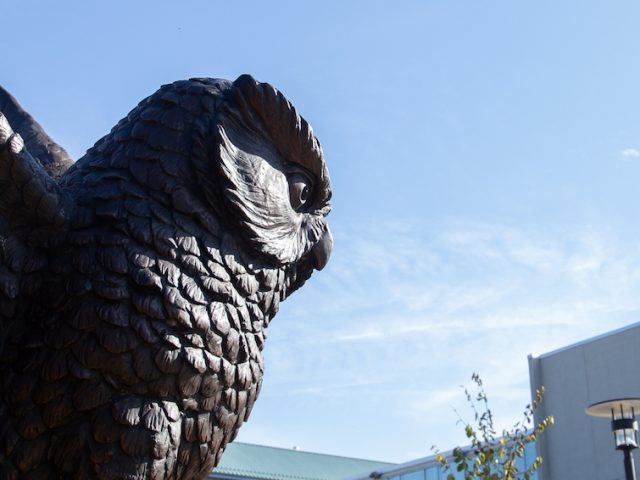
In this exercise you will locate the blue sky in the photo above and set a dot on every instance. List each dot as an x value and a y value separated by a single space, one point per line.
484 155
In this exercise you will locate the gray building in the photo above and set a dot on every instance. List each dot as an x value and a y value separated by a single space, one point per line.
601 368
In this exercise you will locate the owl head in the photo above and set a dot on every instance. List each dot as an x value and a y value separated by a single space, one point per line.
271 177
235 155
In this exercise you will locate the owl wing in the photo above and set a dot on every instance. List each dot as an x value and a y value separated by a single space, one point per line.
53 158
32 204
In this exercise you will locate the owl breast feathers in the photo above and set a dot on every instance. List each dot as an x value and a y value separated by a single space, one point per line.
136 285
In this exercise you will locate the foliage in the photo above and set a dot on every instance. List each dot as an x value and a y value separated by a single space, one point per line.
493 457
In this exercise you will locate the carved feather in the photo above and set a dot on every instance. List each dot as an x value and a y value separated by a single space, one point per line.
136 284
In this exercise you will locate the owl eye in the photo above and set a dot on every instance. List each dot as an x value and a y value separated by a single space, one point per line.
300 189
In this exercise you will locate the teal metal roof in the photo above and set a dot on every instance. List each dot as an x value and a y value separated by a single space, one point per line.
245 460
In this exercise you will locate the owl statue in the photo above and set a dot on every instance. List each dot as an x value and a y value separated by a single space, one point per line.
137 284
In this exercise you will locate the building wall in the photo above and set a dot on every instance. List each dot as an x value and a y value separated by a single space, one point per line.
602 368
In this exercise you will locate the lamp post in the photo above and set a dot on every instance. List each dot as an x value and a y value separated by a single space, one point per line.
622 413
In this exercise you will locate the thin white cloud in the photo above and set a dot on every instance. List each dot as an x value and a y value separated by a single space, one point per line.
630 153
404 314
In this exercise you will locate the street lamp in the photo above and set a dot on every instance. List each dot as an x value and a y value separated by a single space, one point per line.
622 413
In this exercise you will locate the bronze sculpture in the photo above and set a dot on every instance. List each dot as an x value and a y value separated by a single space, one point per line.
136 285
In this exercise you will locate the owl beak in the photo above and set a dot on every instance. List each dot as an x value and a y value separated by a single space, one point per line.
322 249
